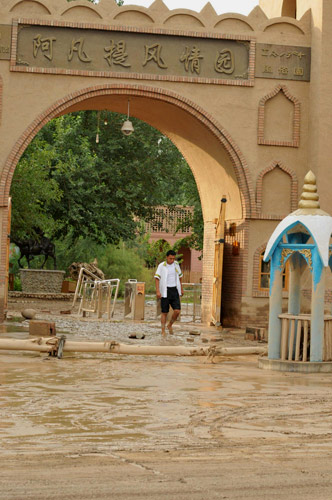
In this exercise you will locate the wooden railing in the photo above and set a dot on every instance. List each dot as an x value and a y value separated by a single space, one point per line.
295 337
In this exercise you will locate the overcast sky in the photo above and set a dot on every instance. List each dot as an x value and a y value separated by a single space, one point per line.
220 6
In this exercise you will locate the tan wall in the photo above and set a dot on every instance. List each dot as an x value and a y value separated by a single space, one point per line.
216 127
272 8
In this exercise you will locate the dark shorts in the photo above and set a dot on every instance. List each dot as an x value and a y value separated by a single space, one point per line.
173 299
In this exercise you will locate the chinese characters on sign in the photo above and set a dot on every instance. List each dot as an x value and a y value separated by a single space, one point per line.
225 62
277 61
191 59
45 45
116 54
153 55
77 47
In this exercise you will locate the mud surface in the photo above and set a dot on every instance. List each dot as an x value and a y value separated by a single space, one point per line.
109 426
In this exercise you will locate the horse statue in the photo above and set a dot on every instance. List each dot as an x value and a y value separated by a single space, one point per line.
31 247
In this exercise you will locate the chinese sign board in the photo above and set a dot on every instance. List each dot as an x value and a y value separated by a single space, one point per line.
283 62
134 53
131 53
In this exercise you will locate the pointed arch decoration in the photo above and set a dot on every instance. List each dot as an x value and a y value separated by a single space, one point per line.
295 142
259 189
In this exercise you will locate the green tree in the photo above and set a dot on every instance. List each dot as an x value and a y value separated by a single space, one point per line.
33 191
100 190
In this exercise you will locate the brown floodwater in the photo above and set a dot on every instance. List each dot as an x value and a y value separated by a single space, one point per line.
102 402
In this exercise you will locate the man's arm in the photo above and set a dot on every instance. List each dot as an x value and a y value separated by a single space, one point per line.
157 288
182 292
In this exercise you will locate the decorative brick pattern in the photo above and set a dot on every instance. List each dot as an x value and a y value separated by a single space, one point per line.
295 143
259 189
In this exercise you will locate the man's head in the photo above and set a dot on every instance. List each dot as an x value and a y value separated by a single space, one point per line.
170 256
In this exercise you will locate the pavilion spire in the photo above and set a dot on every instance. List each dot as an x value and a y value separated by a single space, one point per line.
309 197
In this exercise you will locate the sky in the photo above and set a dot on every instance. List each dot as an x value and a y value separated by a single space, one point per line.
220 6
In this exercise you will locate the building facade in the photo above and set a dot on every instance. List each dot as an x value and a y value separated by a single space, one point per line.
246 99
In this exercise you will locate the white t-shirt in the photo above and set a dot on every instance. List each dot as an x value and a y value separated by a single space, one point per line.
171 277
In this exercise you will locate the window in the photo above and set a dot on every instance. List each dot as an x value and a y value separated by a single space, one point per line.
264 275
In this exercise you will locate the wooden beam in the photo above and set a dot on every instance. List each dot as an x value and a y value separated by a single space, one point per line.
50 345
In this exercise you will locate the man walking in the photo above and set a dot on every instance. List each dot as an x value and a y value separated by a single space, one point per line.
169 288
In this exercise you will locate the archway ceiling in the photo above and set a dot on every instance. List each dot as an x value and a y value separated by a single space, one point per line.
208 159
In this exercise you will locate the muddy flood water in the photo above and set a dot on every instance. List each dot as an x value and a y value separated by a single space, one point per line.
104 426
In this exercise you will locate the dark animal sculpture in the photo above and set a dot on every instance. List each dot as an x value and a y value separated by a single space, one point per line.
29 248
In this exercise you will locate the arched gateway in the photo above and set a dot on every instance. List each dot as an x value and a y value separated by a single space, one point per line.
227 90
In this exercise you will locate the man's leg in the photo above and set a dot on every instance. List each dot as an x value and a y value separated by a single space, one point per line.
174 317
163 319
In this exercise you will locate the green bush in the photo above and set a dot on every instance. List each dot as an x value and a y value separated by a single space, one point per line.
124 263
17 284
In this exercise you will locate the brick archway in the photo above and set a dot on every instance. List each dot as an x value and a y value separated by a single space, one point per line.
66 104
77 100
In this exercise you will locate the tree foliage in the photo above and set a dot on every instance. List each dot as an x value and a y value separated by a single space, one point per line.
69 186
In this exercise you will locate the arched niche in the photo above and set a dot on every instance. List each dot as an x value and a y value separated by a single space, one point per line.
279 119
30 7
276 191
133 17
180 20
75 12
232 25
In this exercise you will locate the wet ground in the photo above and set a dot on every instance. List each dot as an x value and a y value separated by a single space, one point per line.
109 426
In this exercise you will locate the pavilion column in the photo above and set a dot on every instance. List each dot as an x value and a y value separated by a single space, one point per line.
275 311
317 318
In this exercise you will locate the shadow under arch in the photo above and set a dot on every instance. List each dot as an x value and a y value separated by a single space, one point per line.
196 134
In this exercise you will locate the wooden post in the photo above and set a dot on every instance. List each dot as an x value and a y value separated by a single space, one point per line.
5 306
218 264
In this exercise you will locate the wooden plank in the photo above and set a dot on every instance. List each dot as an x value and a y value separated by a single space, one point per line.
284 339
9 217
302 316
218 264
294 316
305 341
298 340
291 340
